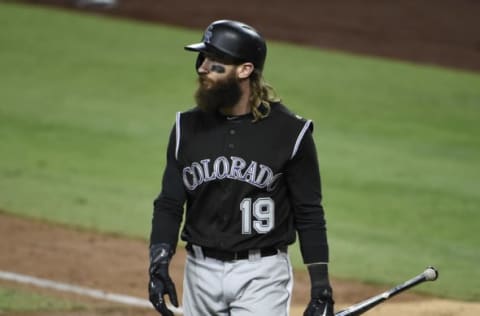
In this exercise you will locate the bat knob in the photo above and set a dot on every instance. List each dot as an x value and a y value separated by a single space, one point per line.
431 274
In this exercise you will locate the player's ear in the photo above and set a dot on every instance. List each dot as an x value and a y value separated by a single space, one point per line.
244 70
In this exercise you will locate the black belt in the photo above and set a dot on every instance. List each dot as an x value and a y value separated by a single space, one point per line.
231 256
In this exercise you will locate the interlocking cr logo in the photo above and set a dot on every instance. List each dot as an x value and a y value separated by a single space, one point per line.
208 34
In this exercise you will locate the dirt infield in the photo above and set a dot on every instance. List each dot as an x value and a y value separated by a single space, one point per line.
119 265
440 32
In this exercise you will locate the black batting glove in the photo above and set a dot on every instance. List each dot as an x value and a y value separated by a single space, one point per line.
160 283
321 302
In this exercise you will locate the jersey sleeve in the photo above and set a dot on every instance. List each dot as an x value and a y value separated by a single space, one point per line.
303 177
168 206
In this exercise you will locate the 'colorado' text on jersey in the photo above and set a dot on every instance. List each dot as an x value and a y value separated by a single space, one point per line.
233 167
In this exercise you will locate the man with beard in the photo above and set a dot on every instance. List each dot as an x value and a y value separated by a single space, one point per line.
221 93
246 169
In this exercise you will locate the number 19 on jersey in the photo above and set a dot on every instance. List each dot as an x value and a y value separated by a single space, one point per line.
258 215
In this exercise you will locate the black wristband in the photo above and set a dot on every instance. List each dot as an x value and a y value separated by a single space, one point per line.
161 253
319 280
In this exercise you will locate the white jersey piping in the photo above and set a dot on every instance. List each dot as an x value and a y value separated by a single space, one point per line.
177 134
300 137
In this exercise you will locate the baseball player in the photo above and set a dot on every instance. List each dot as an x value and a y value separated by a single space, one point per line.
246 169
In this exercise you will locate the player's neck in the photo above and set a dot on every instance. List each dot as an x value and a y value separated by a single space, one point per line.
243 106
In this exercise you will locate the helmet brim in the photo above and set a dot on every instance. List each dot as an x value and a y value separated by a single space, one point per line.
204 48
197 47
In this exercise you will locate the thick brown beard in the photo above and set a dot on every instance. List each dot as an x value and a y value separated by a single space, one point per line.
221 95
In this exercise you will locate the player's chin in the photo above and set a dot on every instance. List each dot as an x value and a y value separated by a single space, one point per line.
205 83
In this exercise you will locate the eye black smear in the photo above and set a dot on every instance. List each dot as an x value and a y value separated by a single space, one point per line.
217 68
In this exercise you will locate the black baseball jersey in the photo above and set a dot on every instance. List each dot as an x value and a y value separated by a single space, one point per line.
246 185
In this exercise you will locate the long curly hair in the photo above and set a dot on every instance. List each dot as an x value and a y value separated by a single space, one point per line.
262 95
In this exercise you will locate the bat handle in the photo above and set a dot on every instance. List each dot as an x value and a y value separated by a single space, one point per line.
430 274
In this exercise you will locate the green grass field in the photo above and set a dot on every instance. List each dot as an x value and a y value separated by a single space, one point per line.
14 301
87 104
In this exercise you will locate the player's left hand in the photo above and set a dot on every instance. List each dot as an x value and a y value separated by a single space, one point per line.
160 283
321 303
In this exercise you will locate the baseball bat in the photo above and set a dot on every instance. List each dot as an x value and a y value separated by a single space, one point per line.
430 274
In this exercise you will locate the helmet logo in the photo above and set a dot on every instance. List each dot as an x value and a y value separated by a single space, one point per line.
208 34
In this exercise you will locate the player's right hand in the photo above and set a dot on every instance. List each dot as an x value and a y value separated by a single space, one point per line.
160 283
157 290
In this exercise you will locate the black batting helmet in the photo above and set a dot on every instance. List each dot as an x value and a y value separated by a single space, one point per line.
231 40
